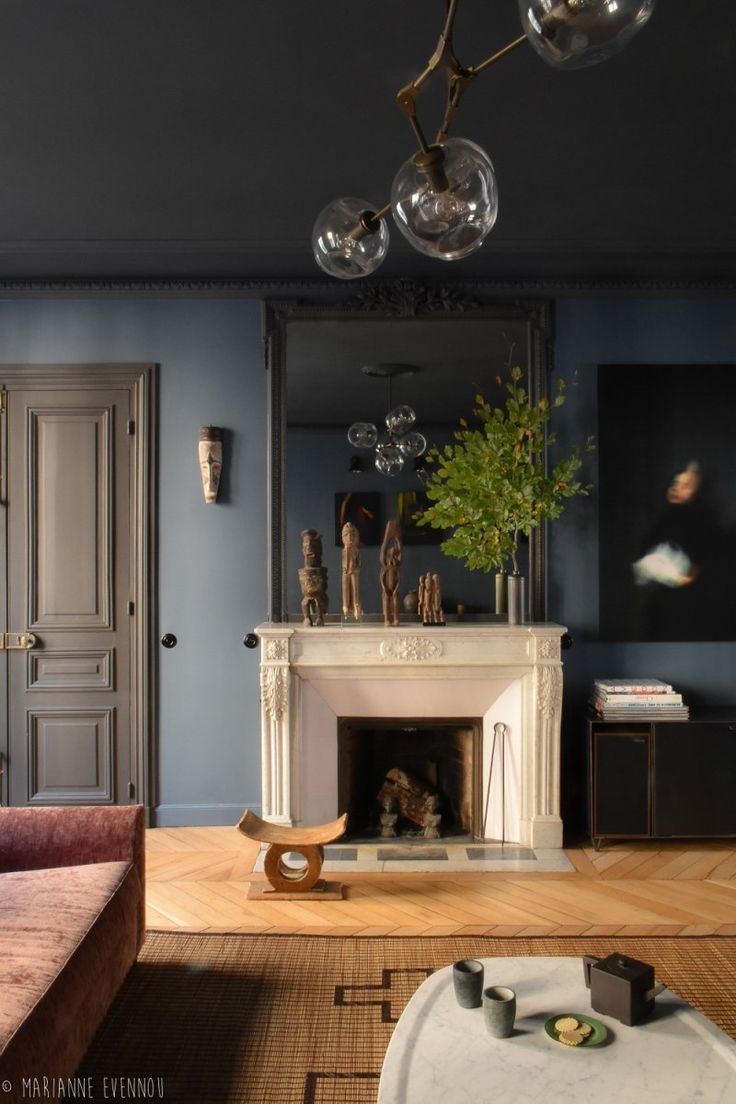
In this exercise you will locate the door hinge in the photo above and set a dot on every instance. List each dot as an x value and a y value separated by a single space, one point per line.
2 400
131 790
131 428
131 608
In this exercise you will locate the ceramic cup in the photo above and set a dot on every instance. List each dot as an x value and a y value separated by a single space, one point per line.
499 1010
467 977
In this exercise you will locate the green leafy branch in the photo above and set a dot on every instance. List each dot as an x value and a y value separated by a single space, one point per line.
491 485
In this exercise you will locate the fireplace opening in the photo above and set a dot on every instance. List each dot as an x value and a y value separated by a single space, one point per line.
410 779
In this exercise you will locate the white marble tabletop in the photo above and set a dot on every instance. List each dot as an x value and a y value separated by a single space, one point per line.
440 1052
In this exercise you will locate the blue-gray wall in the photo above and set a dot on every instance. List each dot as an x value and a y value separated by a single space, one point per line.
624 331
212 562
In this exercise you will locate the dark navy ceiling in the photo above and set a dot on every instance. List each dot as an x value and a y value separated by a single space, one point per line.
199 138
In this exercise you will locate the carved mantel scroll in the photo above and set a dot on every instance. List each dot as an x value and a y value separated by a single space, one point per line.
311 677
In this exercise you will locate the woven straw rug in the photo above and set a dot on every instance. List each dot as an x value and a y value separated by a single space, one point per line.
230 1019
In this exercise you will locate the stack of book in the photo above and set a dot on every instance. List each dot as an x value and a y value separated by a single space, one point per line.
637 700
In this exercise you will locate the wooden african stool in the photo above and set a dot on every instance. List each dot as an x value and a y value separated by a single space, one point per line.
288 882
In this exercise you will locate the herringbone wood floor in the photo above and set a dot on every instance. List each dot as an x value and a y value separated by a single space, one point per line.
197 880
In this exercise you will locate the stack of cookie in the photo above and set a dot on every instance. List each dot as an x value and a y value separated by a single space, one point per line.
571 1032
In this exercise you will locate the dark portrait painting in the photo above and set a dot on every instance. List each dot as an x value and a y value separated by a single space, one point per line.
667 487
408 505
363 509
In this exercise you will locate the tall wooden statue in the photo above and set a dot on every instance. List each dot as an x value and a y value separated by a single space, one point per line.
350 572
391 553
313 579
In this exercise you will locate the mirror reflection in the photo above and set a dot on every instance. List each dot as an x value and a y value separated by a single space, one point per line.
336 372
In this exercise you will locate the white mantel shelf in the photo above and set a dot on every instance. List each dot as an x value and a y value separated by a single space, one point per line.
503 674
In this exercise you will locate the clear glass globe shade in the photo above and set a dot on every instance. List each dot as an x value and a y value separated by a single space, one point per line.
389 460
362 434
341 247
452 223
412 445
572 34
400 419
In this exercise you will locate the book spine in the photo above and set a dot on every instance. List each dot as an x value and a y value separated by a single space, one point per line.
633 707
638 698
633 687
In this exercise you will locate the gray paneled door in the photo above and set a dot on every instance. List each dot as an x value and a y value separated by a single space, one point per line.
72 657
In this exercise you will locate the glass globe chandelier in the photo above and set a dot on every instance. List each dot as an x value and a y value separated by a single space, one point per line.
400 442
444 199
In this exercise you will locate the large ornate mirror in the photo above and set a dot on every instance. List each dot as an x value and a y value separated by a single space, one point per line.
452 343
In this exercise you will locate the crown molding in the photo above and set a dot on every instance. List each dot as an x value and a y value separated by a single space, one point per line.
375 290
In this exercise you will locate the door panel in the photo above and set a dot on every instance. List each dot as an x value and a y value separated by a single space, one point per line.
70 477
70 757
70 507
70 670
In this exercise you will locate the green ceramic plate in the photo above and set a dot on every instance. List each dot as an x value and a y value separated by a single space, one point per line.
597 1036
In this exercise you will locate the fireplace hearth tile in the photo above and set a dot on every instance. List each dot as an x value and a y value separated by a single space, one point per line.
504 853
341 854
412 858
412 853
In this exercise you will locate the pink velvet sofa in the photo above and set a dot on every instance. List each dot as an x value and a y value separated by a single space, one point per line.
71 924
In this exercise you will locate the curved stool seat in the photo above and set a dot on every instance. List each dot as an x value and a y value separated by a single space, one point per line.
281 839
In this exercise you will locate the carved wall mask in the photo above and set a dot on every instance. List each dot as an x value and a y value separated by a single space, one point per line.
210 460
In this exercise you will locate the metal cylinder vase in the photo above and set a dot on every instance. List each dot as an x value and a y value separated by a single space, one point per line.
501 577
517 598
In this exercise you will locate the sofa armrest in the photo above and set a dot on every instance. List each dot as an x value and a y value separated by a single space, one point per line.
35 838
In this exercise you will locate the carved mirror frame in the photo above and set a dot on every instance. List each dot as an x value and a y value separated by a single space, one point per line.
385 301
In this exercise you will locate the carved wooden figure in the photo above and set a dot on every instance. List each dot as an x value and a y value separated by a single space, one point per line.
313 579
391 554
422 598
437 616
350 572
430 607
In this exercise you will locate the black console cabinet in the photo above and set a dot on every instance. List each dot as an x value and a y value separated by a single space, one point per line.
648 780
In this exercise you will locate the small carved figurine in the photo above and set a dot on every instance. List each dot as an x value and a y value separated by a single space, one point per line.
388 817
350 572
430 600
422 598
313 579
438 617
432 817
391 554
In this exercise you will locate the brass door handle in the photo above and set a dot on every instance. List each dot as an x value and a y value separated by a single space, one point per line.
14 641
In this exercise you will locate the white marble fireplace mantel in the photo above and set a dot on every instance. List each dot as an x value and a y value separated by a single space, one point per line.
502 674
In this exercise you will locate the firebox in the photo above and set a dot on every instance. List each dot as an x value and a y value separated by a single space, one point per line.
413 779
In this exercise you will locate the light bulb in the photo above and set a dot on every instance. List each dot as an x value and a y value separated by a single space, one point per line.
347 240
362 435
571 34
389 460
413 444
400 419
445 202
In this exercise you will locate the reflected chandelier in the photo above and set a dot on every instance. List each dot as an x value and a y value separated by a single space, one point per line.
444 199
401 441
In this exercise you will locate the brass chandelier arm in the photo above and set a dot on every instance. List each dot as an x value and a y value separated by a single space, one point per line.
456 85
444 54
458 78
475 69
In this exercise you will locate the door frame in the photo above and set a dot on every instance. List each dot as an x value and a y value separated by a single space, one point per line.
142 382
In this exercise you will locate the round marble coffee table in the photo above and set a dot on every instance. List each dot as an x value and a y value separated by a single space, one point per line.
441 1053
